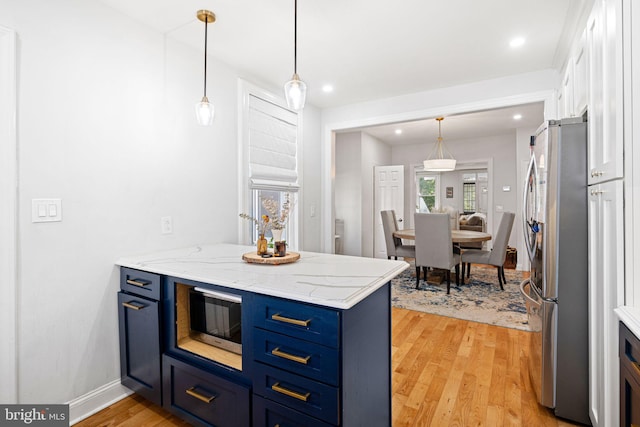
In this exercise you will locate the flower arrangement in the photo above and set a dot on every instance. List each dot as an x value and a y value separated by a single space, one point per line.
263 225
276 219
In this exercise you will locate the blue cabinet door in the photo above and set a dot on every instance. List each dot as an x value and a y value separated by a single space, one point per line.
139 320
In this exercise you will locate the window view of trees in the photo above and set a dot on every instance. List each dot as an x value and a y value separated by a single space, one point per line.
426 193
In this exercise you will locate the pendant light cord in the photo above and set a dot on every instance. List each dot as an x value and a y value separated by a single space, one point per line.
205 54
295 37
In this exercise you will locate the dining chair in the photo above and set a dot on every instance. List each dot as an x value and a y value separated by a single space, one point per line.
495 256
433 246
395 248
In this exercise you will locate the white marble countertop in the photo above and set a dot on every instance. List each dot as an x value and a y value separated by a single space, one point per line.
630 316
337 281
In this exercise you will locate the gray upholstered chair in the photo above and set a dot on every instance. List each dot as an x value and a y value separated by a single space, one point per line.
395 248
495 256
434 247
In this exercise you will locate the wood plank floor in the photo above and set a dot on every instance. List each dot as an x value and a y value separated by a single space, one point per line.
446 372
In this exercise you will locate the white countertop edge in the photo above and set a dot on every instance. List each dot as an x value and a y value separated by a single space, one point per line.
140 263
630 316
340 304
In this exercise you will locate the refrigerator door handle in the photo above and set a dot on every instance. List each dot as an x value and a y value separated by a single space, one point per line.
525 293
530 184
535 291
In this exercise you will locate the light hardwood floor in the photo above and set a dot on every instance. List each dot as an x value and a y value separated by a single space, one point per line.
446 372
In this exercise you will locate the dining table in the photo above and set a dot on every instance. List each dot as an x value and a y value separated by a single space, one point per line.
457 237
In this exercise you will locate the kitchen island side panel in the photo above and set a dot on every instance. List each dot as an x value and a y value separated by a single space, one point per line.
366 357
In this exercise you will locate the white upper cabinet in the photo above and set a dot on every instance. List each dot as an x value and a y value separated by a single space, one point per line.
572 96
580 76
605 77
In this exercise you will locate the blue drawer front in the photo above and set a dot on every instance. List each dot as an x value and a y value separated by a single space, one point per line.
311 323
230 405
294 355
140 283
269 414
310 397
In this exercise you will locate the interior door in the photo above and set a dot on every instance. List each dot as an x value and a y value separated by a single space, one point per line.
388 195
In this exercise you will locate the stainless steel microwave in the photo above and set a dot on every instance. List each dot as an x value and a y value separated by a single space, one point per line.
216 318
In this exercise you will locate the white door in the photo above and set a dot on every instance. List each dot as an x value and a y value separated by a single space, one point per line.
388 195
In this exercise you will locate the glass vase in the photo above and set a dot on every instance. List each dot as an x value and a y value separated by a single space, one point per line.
261 245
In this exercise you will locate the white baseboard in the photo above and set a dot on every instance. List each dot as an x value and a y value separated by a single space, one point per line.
96 400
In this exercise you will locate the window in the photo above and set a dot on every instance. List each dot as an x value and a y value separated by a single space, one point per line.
427 186
474 192
269 153
469 197
258 194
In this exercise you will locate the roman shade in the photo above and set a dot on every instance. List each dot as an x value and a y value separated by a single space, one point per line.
272 146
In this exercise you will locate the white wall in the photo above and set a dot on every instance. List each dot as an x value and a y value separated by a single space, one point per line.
311 182
106 123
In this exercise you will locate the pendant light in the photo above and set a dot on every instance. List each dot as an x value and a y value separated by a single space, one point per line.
295 90
204 109
440 159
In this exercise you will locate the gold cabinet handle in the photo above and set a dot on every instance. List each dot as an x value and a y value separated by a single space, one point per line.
192 392
133 307
137 283
277 352
297 322
278 388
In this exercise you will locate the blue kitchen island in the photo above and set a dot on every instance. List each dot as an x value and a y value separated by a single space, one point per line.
315 337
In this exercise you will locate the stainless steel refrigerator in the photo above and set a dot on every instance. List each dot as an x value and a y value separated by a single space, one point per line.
556 293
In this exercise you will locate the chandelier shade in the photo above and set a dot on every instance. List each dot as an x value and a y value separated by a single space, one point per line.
440 159
205 110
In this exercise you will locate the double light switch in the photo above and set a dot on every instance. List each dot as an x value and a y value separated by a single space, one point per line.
46 210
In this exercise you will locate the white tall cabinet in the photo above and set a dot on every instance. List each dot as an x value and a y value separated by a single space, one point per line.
606 290
604 40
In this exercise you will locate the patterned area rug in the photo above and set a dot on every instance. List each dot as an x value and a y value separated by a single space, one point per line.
479 299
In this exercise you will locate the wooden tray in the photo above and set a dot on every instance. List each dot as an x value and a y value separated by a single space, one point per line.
254 258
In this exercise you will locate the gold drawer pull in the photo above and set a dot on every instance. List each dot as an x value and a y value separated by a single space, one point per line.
133 307
137 283
278 388
202 397
277 352
297 322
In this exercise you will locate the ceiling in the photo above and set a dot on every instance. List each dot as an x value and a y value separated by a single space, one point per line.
479 124
370 49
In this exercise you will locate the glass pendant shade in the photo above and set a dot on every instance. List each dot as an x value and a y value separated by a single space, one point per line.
204 109
440 160
205 112
295 91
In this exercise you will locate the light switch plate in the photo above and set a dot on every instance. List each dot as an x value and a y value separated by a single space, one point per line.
46 210
166 225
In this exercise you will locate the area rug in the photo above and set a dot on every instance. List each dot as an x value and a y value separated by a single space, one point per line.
479 299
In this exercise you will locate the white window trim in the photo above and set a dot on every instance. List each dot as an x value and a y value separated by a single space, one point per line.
246 89
415 170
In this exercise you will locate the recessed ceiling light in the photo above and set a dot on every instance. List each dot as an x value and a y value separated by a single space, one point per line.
327 88
517 42
517 117
398 131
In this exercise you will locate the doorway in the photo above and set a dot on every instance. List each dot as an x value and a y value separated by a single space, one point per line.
504 198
